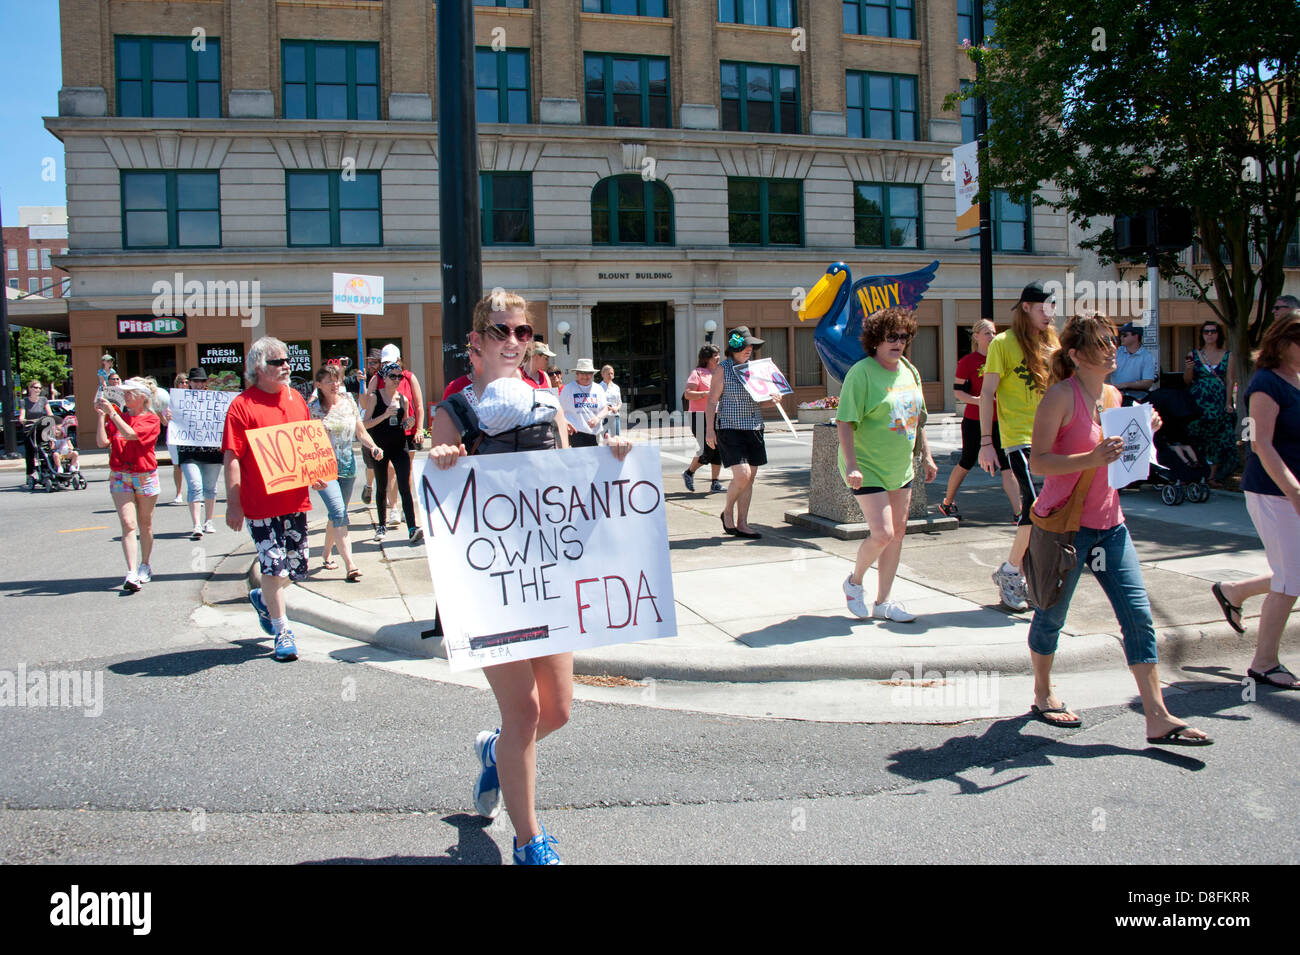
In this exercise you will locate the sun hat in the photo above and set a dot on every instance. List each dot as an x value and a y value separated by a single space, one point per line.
540 348
584 366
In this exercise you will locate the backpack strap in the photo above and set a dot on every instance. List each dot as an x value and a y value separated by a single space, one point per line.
465 419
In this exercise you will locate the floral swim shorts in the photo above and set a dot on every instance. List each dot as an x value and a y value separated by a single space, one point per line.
133 482
281 545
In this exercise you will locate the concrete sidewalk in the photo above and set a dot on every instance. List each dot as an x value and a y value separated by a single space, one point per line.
772 609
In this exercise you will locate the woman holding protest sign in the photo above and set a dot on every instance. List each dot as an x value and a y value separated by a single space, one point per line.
880 422
1069 451
533 695
130 437
388 417
734 426
201 467
335 409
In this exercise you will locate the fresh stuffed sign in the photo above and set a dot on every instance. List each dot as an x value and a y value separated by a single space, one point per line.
538 553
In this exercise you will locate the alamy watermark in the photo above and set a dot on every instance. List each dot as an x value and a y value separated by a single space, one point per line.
70 689
951 689
176 296
1119 299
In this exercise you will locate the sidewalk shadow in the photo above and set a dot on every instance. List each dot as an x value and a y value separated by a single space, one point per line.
475 847
189 662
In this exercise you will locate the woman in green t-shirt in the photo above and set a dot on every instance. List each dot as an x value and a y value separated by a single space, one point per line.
880 423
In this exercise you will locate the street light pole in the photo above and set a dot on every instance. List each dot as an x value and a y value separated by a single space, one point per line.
461 240
6 375
981 135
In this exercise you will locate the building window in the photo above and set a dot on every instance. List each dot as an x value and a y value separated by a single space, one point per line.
886 216
326 209
31 260
760 97
1291 258
11 257
627 90
893 18
629 8
66 288
762 13
1012 224
330 80
13 283
516 4
967 116
171 210
881 105
501 79
764 211
506 200
629 210
33 286
966 21
45 260
166 76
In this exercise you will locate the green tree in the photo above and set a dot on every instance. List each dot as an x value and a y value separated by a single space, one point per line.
38 359
1127 106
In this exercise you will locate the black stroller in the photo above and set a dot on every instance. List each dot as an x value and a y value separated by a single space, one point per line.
42 436
1177 471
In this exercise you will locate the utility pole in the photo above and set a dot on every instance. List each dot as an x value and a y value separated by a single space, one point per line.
981 135
461 251
6 372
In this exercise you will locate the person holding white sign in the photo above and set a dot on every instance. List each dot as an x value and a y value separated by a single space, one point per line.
880 424
733 424
1067 444
534 695
201 467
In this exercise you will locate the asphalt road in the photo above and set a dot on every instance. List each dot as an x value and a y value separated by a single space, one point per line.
207 751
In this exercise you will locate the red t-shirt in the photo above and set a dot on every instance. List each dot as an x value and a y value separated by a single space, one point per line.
137 456
253 409
456 386
970 369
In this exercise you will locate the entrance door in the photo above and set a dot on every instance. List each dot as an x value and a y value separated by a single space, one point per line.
157 362
637 339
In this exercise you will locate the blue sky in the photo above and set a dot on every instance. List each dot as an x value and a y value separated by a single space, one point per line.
30 77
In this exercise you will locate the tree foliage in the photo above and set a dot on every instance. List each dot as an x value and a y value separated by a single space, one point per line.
37 358
1129 105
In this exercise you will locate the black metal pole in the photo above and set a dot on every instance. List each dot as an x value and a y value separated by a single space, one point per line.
461 240
986 218
6 372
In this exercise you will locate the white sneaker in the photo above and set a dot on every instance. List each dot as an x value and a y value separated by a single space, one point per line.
858 605
1011 588
395 520
144 574
893 610
131 584
179 500
209 527
197 533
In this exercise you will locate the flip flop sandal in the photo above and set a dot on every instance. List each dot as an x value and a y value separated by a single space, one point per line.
329 565
354 576
1228 609
1175 737
1264 678
1063 708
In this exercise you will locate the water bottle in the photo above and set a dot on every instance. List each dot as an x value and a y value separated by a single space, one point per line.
393 416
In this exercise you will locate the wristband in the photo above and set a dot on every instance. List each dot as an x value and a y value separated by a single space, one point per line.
986 442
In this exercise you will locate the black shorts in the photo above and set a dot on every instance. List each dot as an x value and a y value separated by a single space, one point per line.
970 445
880 490
281 545
707 454
1019 461
411 443
580 439
741 447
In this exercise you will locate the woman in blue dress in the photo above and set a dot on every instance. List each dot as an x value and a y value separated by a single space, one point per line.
1212 382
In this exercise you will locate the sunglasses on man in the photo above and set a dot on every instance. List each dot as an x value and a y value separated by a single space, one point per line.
277 362
501 332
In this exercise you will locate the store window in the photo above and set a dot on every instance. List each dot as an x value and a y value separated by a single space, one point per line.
224 363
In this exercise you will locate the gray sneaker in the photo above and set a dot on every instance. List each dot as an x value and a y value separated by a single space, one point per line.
1011 589
716 488
689 480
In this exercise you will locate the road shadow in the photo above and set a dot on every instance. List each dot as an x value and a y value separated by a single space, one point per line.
474 847
190 662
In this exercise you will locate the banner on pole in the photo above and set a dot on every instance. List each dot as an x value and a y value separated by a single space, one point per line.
292 455
198 417
539 553
358 294
966 166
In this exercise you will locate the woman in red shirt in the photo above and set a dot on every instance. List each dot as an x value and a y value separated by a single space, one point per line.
130 437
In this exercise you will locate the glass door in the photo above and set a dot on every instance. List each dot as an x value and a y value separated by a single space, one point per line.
636 339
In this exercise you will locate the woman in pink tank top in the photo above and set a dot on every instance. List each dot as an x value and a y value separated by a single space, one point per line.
1067 444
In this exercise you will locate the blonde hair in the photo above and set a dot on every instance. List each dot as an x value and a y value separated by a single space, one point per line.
1037 347
151 386
497 302
1086 332
984 325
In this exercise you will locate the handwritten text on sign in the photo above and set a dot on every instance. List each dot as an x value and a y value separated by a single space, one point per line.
548 552
293 455
198 417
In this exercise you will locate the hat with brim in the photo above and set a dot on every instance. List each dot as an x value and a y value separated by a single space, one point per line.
584 367
131 385
540 348
197 374
740 337
1033 293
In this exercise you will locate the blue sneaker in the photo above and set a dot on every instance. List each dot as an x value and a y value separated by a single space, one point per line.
539 850
285 648
487 790
263 615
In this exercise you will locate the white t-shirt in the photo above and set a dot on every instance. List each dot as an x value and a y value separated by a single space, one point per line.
582 405
613 397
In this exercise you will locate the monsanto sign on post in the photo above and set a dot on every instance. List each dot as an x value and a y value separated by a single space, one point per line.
358 294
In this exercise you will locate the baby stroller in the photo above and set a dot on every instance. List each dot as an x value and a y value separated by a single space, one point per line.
62 478
1178 471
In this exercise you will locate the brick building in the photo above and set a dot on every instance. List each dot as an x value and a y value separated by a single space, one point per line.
648 167
31 248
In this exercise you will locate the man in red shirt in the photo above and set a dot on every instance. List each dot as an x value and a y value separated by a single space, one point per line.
277 521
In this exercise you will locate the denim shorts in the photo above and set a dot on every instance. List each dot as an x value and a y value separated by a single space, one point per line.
336 495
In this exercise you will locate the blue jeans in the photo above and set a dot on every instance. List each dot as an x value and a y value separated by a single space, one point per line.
337 494
200 480
1114 562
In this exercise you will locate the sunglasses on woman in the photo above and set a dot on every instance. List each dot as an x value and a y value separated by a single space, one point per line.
396 377
893 337
501 332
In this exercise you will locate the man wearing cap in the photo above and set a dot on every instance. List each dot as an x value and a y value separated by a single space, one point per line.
539 359
1135 369
201 467
584 405
1016 372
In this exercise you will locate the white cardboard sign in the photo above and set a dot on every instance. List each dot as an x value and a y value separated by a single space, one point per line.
536 553
358 294
198 417
763 380
1133 424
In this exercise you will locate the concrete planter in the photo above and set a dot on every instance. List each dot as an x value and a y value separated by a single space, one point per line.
816 415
